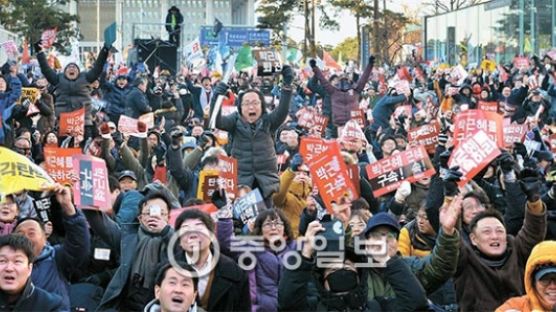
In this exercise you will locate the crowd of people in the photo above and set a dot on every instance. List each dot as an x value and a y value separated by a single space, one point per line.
433 244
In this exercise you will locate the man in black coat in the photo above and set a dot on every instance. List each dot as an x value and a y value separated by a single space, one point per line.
136 102
174 19
17 292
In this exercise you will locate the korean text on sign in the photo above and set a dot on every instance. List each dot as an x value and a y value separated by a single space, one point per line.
228 173
313 148
91 189
72 123
471 121
59 163
426 135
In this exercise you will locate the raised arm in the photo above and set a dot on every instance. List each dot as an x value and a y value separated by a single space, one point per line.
278 116
226 123
48 72
366 74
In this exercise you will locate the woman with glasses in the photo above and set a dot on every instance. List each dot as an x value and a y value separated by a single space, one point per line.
540 282
9 211
263 257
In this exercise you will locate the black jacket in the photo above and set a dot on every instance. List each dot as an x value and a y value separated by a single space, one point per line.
33 299
136 103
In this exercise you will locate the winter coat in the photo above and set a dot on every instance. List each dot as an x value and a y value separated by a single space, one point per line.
542 254
154 306
55 264
115 98
296 294
317 88
343 102
551 216
264 278
122 240
136 103
384 108
33 299
413 243
291 198
72 95
47 120
480 287
179 20
253 144
196 92
7 99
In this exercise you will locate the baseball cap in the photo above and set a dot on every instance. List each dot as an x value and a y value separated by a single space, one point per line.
127 173
544 271
382 219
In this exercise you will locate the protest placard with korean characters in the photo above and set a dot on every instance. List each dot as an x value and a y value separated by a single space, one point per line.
30 94
514 132
59 163
330 175
72 123
359 116
148 119
310 119
312 148
268 62
387 174
471 121
521 62
208 184
91 189
490 106
228 173
248 206
426 135
48 37
473 154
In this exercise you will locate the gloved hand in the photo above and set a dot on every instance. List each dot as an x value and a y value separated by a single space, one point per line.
530 183
506 162
520 149
37 46
203 142
110 35
451 177
218 198
443 159
313 63
403 192
118 139
221 88
372 60
296 161
105 131
288 75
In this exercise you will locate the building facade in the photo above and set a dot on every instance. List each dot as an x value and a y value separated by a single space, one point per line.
499 29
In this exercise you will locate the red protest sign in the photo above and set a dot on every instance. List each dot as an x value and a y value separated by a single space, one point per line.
473 154
228 173
329 172
174 213
127 125
521 62
312 120
91 189
72 123
59 163
353 172
491 106
426 135
514 133
359 116
313 148
48 37
469 122
387 174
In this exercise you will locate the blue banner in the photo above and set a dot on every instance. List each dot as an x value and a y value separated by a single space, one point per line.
86 182
234 36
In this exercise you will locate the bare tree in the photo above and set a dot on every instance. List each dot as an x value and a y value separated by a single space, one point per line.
443 6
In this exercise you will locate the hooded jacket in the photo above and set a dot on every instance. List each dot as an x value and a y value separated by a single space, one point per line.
253 144
291 198
542 254
72 95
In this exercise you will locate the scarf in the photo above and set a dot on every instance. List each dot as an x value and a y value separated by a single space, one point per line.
493 262
147 257
7 228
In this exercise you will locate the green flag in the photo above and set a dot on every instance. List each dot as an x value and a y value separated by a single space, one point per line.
244 58
293 56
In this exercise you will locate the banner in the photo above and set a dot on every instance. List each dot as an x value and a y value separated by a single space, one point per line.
248 206
491 106
128 125
514 133
91 189
426 135
59 163
309 119
72 123
11 49
387 174
47 38
208 184
30 94
312 148
268 62
228 173
148 119
42 208
330 175
359 116
234 37
473 154
467 123
18 173
521 62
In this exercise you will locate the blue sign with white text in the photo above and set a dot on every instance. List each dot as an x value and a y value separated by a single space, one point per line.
235 36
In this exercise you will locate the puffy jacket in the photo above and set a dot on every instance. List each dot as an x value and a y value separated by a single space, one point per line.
136 103
33 299
72 95
413 243
253 144
115 98
7 99
55 264
542 254
384 108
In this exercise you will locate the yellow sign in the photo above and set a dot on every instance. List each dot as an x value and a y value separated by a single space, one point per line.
29 93
208 183
18 173
488 65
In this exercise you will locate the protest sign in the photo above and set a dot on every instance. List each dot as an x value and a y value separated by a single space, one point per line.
387 174
42 208
248 206
228 173
59 163
48 37
488 65
402 110
513 133
31 94
208 184
467 123
91 189
148 119
312 148
353 172
473 154
72 123
11 49
351 131
359 116
310 119
174 213
521 62
330 175
268 62
426 135
127 125
18 173
490 106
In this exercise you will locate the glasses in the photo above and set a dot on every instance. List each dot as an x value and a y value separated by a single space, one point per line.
25 150
547 280
270 225
250 103
146 214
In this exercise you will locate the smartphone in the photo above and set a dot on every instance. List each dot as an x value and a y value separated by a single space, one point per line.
333 234
154 211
